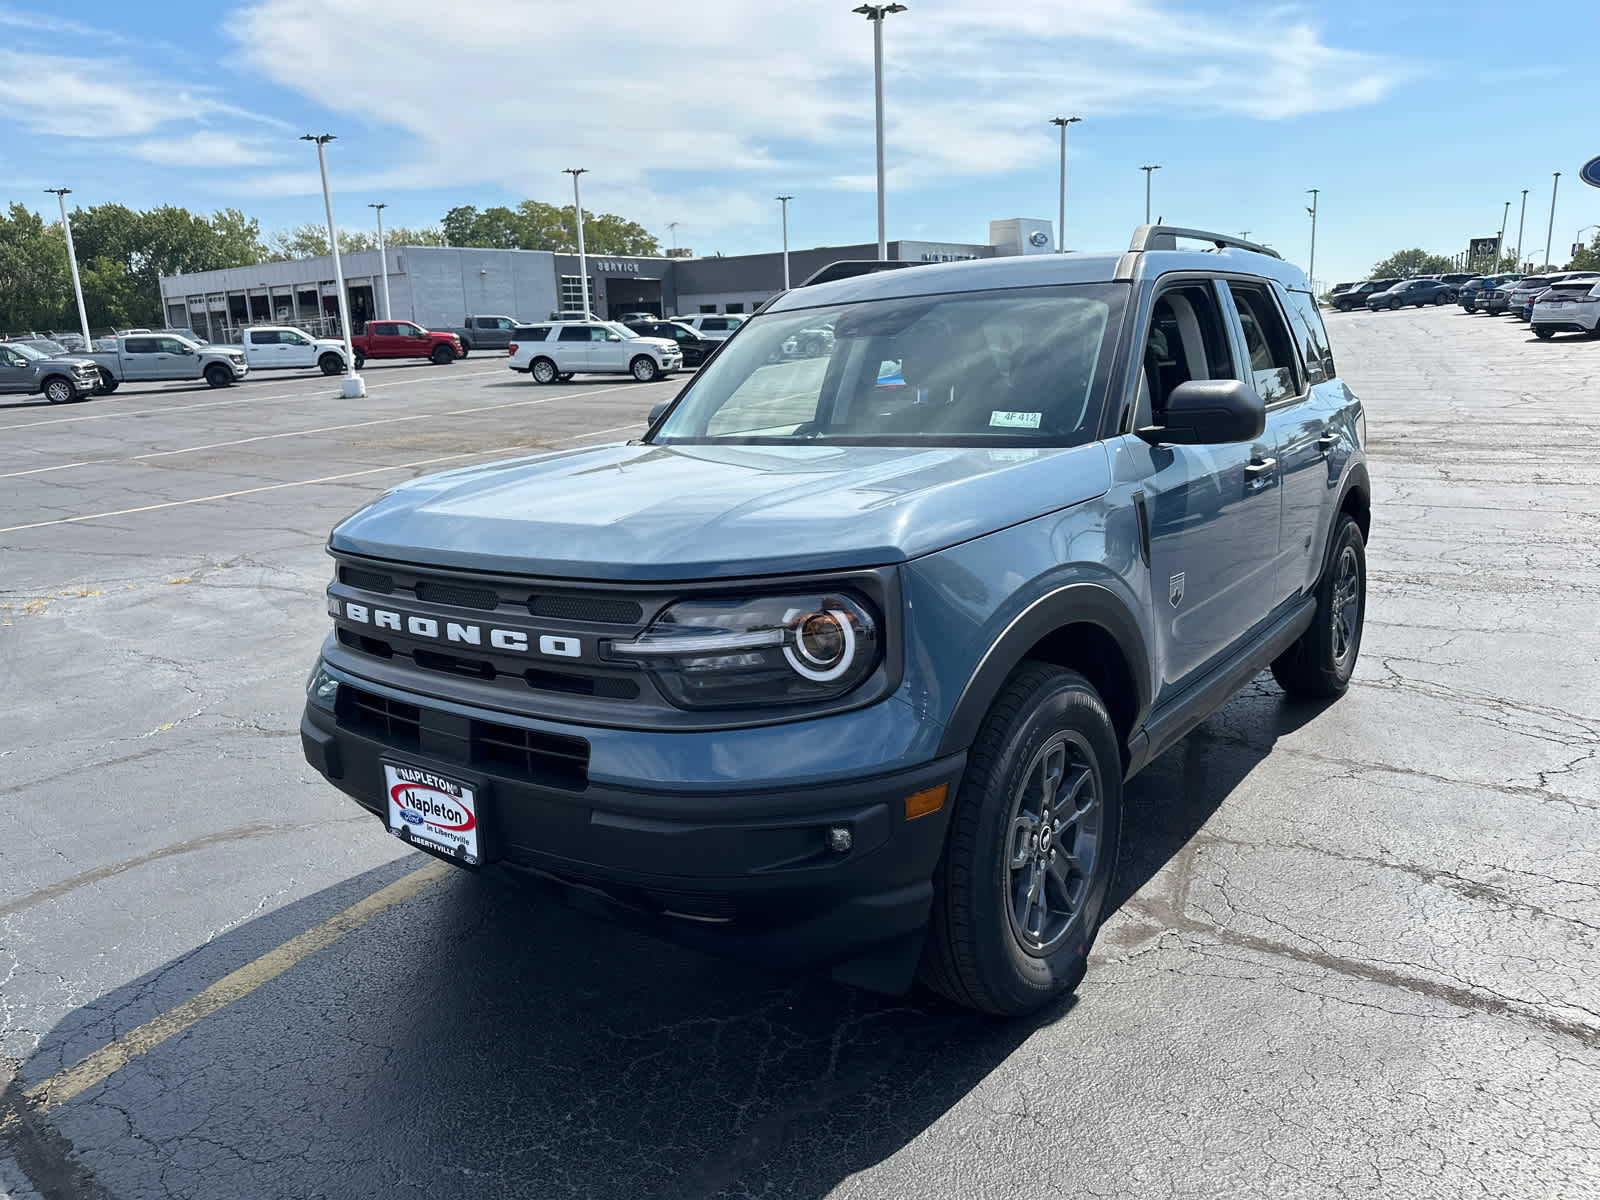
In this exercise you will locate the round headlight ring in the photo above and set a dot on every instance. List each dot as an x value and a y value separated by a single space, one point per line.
809 665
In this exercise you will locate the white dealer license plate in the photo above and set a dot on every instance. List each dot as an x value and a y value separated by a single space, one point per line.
433 812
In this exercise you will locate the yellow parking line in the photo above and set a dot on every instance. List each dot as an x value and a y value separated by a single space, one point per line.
110 1059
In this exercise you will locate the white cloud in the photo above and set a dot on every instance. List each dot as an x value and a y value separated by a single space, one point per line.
206 148
524 89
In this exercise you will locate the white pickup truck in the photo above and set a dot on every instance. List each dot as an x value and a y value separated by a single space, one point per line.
283 347
154 357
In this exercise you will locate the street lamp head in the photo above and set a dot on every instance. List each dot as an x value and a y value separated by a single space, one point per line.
574 171
1151 167
322 139
784 198
59 191
379 207
1065 121
876 12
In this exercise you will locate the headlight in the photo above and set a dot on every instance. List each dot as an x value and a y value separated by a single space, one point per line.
322 689
741 651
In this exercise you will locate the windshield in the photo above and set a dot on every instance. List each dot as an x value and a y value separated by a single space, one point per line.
627 334
1017 367
27 351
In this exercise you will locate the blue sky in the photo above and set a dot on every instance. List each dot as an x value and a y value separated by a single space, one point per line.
700 114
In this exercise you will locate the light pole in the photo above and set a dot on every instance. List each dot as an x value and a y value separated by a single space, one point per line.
1147 173
672 232
1311 270
783 202
577 212
1550 233
353 385
875 14
61 194
1517 266
1500 238
383 261
1061 227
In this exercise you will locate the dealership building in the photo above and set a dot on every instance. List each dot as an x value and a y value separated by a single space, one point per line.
439 285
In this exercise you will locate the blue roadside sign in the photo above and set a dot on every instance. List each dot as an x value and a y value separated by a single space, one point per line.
1590 172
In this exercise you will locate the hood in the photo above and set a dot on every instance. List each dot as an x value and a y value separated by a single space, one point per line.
329 344
640 513
72 360
659 343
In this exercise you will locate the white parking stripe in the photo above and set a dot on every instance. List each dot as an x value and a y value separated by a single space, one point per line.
273 487
247 399
267 437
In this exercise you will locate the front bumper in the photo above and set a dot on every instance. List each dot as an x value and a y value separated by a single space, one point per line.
746 873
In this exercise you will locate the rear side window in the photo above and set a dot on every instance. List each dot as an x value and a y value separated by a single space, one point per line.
1312 336
381 329
531 333
1274 367
574 333
266 337
141 346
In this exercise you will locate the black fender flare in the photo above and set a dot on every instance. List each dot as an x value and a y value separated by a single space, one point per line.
1356 479
1082 602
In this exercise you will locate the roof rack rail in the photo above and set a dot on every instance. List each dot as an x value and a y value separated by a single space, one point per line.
1165 237
850 268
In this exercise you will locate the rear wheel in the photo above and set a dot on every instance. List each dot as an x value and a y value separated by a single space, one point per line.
567 376
218 375
542 370
1022 886
331 364
442 355
1319 665
1544 331
644 369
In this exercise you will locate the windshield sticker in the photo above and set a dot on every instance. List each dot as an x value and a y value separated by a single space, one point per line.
1014 420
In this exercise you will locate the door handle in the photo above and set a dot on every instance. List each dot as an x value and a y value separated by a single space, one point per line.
1327 442
1259 469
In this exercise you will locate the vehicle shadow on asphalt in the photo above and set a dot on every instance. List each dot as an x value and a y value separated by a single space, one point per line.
479 1039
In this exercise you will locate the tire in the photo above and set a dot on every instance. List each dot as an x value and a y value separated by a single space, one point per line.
566 377
331 364
1319 665
542 370
466 347
644 369
108 383
1471 308
361 360
813 347
442 355
1544 332
59 391
218 376
1048 724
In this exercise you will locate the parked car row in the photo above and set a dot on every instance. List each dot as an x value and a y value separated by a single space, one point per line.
1552 303
1377 294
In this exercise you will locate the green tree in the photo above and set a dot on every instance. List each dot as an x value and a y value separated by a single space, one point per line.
35 289
1587 258
311 240
534 225
1404 263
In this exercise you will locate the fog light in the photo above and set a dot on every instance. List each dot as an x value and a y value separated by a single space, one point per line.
322 690
839 839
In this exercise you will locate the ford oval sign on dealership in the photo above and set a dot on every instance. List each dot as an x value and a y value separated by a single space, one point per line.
1590 172
1039 237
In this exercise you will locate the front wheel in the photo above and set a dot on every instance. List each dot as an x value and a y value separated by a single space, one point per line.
59 391
218 375
1544 332
1027 867
108 383
361 360
1319 665
442 355
331 364
644 369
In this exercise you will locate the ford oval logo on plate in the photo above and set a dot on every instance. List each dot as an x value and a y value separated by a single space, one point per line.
1590 172
411 816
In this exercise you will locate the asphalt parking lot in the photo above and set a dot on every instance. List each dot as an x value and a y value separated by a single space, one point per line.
1356 950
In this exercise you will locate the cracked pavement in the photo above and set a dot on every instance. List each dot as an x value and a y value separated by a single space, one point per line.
1356 948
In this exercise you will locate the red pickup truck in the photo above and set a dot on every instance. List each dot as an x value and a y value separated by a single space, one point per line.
402 339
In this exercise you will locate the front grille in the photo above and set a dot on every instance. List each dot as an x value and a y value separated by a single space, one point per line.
549 758
607 610
367 581
394 721
456 595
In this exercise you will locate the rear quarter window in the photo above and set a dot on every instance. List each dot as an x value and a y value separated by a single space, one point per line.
531 333
1312 335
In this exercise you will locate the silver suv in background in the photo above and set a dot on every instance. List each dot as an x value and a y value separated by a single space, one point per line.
1572 306
557 350
712 326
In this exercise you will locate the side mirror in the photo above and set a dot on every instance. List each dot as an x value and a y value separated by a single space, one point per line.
655 413
613 337
1209 412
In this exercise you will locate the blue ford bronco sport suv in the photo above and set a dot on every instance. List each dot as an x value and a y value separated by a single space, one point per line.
844 662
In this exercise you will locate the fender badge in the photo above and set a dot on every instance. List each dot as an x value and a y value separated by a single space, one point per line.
1175 589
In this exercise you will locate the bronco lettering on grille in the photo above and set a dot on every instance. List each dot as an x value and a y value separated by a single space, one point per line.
511 640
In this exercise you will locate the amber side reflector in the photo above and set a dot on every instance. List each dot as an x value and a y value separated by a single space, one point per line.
920 804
